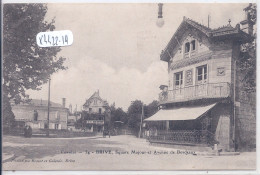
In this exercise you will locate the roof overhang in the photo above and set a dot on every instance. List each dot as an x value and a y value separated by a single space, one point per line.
220 33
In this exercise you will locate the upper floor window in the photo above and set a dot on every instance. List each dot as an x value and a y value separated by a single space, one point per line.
193 46
178 79
187 47
90 109
202 73
99 110
190 46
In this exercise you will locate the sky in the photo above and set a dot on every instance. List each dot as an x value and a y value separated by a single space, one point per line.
117 47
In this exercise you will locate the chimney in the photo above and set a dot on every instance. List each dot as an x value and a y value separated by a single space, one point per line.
63 102
247 24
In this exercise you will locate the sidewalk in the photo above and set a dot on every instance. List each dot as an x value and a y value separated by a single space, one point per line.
144 144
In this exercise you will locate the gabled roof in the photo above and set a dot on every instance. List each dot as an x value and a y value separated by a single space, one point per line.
210 33
95 96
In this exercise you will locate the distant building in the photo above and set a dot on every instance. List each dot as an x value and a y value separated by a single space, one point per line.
35 114
95 104
204 102
72 119
93 114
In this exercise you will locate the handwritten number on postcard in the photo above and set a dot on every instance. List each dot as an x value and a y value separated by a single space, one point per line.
55 38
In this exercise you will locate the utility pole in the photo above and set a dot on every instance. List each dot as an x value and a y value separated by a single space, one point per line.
208 20
48 116
141 123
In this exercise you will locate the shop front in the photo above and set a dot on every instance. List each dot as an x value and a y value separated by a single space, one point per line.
191 125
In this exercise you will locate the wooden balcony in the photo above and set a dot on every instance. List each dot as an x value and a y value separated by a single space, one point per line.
207 90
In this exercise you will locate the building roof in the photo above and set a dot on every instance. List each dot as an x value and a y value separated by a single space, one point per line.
95 96
187 23
38 102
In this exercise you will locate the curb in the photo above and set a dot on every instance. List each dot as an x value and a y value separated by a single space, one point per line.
217 154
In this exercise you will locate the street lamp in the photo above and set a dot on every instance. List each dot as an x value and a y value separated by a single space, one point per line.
160 21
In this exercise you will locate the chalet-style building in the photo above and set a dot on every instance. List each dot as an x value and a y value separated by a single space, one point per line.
93 114
205 103
35 112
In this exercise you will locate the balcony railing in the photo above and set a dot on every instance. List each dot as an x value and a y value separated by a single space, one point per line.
202 137
207 90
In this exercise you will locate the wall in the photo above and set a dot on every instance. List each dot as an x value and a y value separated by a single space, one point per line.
221 116
245 116
216 55
95 106
213 77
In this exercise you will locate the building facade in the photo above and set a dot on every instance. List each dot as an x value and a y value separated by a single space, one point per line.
35 114
93 114
204 102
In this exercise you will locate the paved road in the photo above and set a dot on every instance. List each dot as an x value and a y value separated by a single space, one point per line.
115 153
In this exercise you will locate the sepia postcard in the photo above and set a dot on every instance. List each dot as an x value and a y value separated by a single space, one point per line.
129 86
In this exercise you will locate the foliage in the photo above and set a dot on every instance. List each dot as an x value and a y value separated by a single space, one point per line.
252 11
25 65
247 61
8 117
119 115
79 123
134 114
135 111
107 119
151 109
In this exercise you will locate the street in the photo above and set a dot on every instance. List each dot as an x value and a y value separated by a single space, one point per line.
122 152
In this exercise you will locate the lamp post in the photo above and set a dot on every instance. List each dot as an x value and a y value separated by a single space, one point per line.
48 115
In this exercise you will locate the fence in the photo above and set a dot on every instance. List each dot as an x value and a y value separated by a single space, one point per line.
203 137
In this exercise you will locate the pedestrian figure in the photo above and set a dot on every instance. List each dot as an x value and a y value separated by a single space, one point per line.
106 132
27 131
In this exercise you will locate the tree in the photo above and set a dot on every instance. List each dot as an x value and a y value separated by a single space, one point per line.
8 115
134 114
119 115
151 108
25 65
247 61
